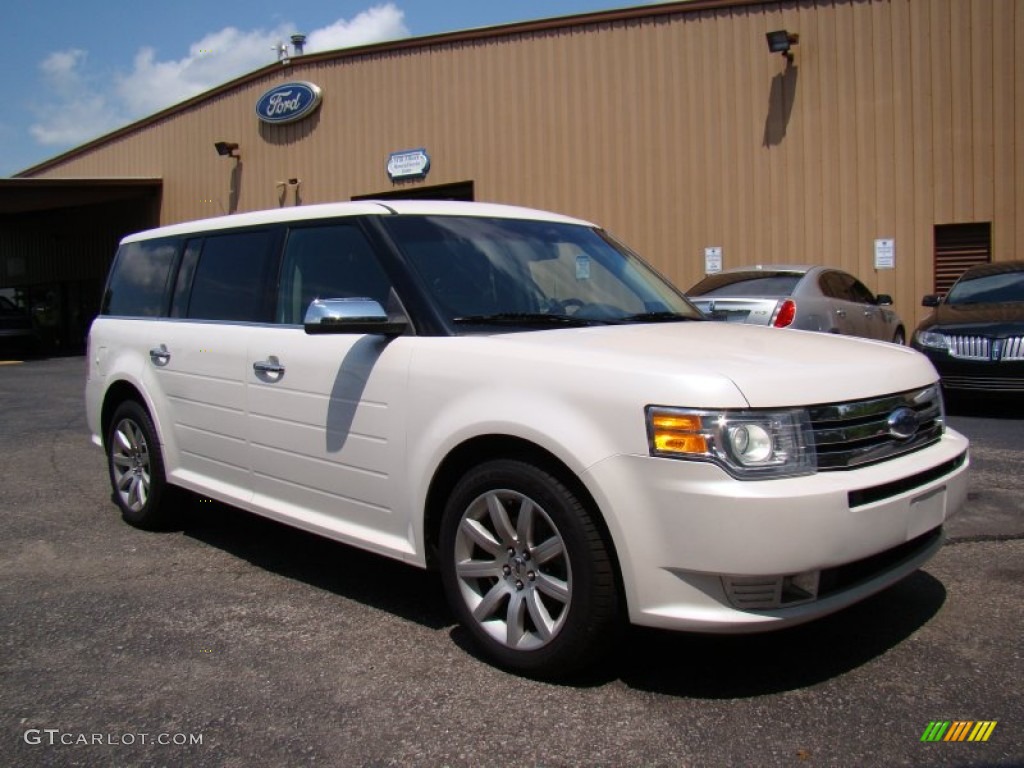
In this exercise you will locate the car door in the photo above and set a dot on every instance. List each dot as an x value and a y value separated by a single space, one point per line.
874 321
197 359
327 411
844 314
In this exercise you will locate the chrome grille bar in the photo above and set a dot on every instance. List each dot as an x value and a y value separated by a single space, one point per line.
969 347
848 435
1013 348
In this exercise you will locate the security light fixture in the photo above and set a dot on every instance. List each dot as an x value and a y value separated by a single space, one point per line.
226 148
780 41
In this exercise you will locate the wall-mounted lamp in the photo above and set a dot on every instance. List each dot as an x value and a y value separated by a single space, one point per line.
780 41
284 186
226 148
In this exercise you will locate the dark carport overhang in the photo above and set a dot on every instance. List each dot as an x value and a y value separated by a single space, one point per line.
21 196
57 238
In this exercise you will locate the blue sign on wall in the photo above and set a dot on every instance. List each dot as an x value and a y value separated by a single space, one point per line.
288 103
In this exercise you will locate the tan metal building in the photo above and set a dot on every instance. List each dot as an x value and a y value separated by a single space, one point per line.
893 133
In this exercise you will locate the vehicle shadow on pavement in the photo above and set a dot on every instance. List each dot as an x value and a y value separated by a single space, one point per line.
369 579
671 663
741 666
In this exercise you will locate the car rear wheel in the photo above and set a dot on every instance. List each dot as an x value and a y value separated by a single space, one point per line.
899 337
527 570
137 468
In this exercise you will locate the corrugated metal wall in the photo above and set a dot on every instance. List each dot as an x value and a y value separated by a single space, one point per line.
677 131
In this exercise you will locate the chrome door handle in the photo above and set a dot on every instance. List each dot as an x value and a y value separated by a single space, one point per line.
269 367
160 356
841 312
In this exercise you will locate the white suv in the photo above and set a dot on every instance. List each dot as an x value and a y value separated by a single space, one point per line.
514 398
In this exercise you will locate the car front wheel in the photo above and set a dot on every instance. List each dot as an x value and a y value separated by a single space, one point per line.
527 570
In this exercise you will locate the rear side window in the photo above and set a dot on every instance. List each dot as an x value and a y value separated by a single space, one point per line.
139 279
231 277
844 287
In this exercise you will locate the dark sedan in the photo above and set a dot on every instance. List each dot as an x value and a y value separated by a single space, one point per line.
975 334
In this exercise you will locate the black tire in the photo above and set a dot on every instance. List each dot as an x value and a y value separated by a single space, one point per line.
538 592
136 467
899 337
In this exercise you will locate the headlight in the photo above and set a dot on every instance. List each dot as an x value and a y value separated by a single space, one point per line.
746 444
932 339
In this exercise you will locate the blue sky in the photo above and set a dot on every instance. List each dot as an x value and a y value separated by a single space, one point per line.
73 70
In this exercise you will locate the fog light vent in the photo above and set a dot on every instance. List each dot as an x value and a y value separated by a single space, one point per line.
763 593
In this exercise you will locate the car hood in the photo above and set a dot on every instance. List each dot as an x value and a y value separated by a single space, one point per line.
770 367
994 319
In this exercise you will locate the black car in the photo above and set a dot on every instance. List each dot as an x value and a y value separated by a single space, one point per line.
975 334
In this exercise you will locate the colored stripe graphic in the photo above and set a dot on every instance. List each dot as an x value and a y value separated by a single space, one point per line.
958 730
982 730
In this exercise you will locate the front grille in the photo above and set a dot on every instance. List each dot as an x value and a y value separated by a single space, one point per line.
853 434
1013 348
969 347
984 348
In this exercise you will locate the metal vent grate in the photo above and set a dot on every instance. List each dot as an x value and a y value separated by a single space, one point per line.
957 247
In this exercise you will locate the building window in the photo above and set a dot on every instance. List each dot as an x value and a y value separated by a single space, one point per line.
957 247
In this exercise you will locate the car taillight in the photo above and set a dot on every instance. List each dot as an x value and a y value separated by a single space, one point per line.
785 314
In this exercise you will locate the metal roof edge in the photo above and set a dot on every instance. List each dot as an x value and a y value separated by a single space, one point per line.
409 43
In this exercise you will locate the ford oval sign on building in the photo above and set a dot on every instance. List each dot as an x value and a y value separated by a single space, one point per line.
288 103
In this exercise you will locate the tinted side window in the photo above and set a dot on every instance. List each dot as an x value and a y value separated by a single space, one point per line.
836 285
860 292
328 262
230 278
139 278
775 285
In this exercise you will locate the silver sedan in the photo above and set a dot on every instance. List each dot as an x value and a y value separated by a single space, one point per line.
805 297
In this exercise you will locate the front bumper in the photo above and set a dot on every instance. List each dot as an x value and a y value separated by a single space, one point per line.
976 375
687 534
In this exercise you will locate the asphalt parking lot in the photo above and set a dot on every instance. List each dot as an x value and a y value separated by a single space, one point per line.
237 642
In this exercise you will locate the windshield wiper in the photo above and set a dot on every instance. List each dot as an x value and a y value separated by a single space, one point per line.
526 318
657 317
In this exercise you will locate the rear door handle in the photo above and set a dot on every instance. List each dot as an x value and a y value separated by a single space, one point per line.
271 367
160 355
841 312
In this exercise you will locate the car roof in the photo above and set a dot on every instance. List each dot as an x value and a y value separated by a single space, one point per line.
794 268
360 208
993 268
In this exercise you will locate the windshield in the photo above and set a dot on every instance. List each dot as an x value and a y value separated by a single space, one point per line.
775 285
528 273
988 289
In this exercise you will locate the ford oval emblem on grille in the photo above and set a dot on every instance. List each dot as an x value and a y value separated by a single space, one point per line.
902 423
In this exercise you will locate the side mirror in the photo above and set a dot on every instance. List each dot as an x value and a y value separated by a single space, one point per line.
352 316
930 300
883 300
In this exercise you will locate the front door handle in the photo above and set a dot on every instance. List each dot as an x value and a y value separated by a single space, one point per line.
269 367
841 312
160 355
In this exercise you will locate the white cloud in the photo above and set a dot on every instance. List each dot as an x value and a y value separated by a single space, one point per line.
79 108
382 22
